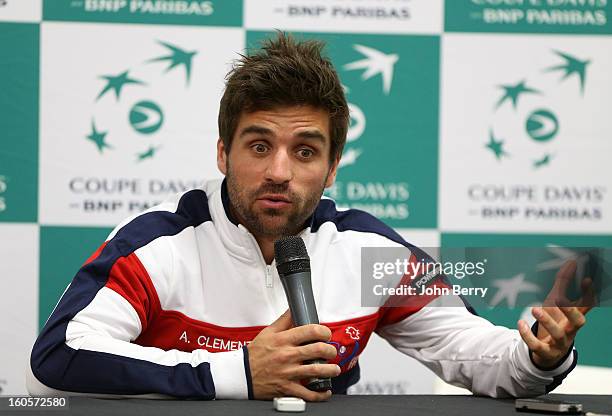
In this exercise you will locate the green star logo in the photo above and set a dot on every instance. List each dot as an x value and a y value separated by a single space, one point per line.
496 146
541 125
176 57
512 92
148 154
145 116
98 138
116 83
572 66
542 162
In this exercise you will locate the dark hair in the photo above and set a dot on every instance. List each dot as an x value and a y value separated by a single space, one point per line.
285 72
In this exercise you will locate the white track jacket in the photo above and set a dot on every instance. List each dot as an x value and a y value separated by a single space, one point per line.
168 304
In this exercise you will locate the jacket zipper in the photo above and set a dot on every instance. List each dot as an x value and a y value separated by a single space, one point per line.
269 281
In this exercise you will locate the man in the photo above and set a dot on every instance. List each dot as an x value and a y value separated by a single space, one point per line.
184 300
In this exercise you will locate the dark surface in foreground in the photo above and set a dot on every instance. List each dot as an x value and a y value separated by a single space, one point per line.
412 405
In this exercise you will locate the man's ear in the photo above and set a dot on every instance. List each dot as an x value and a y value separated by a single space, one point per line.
331 178
221 157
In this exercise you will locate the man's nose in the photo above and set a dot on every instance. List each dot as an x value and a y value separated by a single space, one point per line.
279 169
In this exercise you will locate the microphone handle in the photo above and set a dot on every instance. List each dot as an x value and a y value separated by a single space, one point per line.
298 289
300 298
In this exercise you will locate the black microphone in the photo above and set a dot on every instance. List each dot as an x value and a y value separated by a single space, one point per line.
293 265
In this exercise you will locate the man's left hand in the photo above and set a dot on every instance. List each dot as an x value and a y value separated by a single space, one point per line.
559 323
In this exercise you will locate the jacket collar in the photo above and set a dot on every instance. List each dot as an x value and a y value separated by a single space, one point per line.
226 203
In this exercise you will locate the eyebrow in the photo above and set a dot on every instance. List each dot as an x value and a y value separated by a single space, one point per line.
264 131
256 130
312 134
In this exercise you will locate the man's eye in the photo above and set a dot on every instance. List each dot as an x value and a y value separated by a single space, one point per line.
259 148
305 153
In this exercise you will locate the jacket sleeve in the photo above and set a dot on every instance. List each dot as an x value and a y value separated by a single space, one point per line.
468 351
87 345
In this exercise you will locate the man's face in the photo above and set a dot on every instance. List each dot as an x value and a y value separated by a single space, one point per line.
277 168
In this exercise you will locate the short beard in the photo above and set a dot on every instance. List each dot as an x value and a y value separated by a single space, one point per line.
240 199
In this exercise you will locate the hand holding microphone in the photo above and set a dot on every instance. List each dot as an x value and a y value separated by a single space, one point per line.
281 355
293 265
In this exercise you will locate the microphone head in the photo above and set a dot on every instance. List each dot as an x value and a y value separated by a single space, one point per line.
291 255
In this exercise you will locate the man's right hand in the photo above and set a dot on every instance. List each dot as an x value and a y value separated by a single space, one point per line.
277 356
